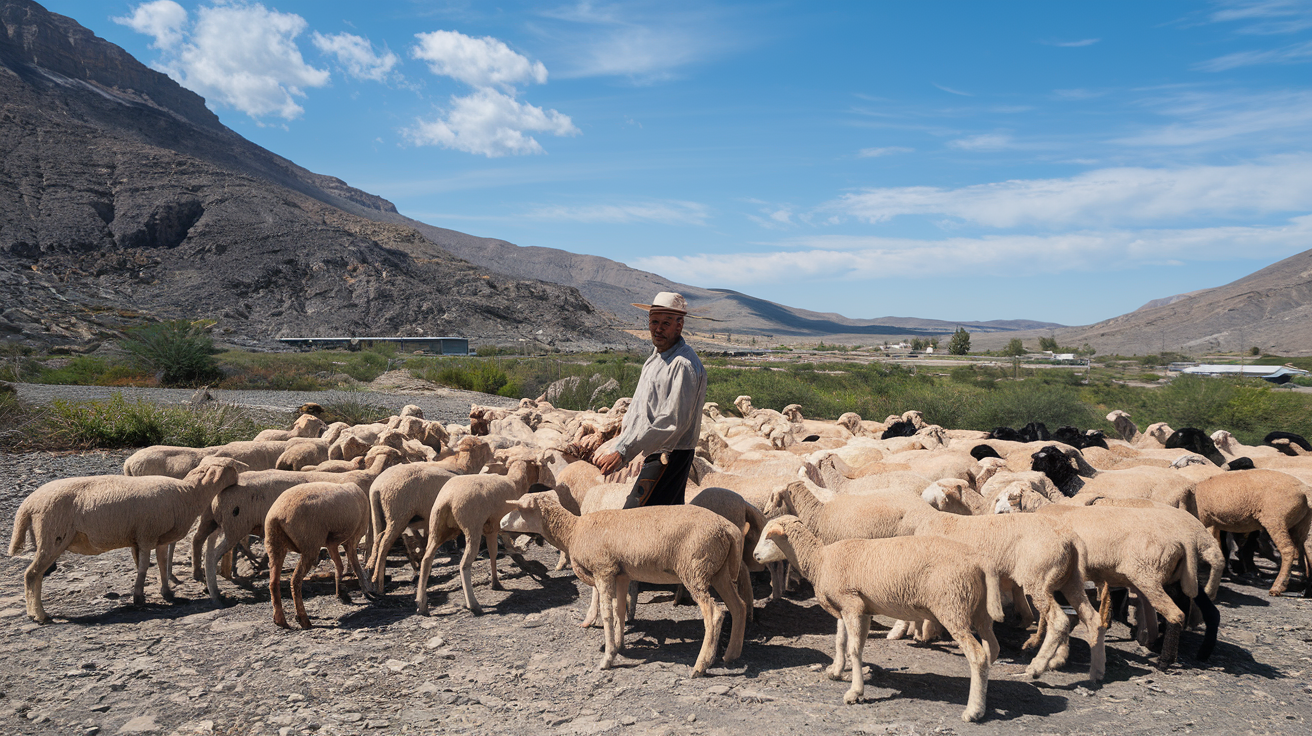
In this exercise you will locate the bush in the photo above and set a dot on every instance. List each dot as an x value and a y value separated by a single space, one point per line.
117 422
353 411
181 352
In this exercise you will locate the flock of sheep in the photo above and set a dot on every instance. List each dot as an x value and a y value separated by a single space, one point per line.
941 530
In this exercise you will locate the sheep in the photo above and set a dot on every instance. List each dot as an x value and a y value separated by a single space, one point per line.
1267 500
872 516
1195 440
922 578
668 544
1041 557
401 497
1292 440
95 514
750 521
306 519
471 505
1143 547
306 425
1125 427
177 462
239 511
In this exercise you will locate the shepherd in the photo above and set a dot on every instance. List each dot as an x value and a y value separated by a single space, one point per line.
665 417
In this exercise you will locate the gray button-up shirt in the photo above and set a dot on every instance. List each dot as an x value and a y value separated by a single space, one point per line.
666 413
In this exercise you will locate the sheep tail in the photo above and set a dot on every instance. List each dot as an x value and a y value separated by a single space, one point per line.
1211 553
1189 581
993 594
376 522
735 561
22 526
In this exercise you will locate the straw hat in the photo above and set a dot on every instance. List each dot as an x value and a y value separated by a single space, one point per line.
666 301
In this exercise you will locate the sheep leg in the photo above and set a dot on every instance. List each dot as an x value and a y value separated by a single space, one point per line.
632 589
713 618
927 629
984 627
738 608
855 643
168 564
44 557
163 560
277 556
466 570
1285 544
1145 621
378 560
621 602
1157 598
563 561
425 569
605 588
979 669
835 670
1094 633
352 554
746 593
1058 631
591 618
303 568
199 540
142 557
339 589
492 548
899 630
1105 605
776 580
213 551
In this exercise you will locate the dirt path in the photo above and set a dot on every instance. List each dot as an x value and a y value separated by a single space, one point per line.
106 667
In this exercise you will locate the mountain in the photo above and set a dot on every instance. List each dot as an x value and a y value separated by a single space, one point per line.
123 198
613 287
1270 309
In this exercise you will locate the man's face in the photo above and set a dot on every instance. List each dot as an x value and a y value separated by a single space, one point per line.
666 328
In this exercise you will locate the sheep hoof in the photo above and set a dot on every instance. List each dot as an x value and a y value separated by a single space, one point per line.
834 673
344 598
138 600
1275 593
304 622
697 673
1030 643
852 697
168 597
497 586
1034 670
970 715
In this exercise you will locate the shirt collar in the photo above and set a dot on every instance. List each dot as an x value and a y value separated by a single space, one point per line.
677 344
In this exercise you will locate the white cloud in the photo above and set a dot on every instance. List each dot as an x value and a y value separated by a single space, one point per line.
1267 17
672 212
478 62
491 123
356 54
859 258
883 151
1102 196
240 55
951 91
1073 44
986 142
162 19
1297 53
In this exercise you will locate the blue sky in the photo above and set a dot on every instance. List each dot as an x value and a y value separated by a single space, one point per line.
955 160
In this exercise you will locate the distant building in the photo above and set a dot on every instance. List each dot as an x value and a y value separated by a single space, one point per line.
1272 373
434 345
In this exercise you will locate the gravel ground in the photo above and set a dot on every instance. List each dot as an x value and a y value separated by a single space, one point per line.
445 404
107 667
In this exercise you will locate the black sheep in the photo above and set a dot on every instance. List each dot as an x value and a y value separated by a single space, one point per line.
1005 433
1035 432
1196 441
1294 439
1240 463
979 452
1079 439
898 429
1052 462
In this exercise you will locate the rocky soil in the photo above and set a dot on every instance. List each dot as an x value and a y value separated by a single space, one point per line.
105 666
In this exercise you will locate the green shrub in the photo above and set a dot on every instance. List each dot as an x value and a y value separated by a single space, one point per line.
181 352
83 370
117 422
353 411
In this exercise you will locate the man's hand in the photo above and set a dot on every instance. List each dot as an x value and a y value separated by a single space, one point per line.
610 462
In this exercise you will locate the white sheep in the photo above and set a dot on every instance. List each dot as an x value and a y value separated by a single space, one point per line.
306 425
655 544
96 514
922 578
472 505
306 519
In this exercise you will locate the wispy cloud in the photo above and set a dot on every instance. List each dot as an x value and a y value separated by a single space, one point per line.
644 41
1072 44
882 151
1104 196
1207 118
356 55
1294 54
1265 17
669 212
951 91
861 258
985 142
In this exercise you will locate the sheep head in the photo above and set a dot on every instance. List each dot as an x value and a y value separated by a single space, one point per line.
1124 426
214 474
308 425
744 404
767 548
525 516
915 417
478 421
793 412
1188 459
1225 442
851 421
410 410
380 458
711 411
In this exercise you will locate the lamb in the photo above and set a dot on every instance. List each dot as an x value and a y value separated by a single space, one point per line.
239 511
472 505
306 425
177 462
919 578
1125 427
305 519
670 544
402 497
1268 500
1195 440
96 514
872 516
750 521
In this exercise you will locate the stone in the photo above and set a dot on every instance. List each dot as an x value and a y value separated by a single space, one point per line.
692 717
435 643
396 665
627 720
350 717
718 690
295 698
140 724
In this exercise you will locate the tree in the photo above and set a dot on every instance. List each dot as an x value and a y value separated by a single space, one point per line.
1049 343
933 342
917 344
1086 350
960 342
1255 351
1014 348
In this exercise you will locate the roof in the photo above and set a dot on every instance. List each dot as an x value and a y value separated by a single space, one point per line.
1256 371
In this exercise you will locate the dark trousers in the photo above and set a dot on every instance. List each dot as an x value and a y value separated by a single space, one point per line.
661 484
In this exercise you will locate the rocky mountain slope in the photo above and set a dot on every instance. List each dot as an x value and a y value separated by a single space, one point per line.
123 198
